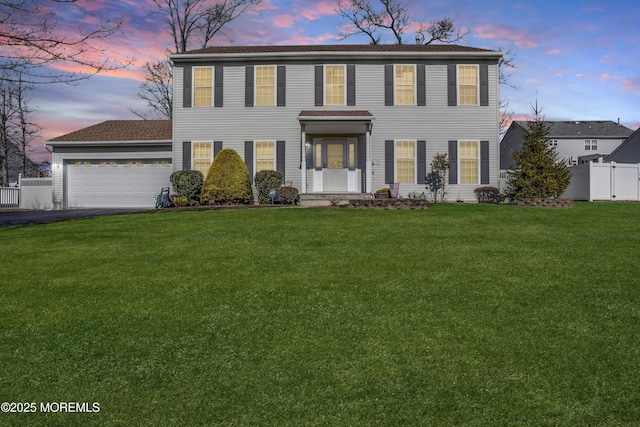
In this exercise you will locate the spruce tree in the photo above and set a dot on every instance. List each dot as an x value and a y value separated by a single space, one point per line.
538 171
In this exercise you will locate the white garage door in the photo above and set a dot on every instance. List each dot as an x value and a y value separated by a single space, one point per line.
115 183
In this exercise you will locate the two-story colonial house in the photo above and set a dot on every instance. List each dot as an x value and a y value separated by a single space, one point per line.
341 118
335 119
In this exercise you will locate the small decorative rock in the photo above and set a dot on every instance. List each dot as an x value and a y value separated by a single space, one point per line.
545 202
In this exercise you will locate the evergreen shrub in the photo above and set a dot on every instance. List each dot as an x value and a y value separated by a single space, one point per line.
288 195
180 201
227 181
187 184
265 181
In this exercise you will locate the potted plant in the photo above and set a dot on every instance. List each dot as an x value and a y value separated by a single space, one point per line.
382 193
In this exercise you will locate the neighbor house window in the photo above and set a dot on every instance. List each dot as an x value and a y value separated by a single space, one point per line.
405 84
468 84
202 156
265 155
265 85
334 84
469 162
202 84
553 143
591 144
406 162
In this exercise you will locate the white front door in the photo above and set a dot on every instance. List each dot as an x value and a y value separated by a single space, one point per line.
334 165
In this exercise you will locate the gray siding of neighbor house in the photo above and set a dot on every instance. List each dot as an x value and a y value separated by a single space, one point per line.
436 123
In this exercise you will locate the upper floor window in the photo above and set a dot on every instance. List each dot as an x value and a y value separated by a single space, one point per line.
334 84
406 162
202 156
591 144
265 155
202 86
265 85
469 162
405 84
468 85
552 143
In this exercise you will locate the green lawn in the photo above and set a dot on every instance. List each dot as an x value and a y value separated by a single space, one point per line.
466 315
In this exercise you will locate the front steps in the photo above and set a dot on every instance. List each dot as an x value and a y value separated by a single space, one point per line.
313 200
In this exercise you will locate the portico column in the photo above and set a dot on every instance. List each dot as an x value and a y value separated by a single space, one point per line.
303 160
369 174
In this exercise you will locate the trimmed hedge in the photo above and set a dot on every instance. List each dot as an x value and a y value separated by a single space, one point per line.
265 181
288 195
487 194
188 184
227 181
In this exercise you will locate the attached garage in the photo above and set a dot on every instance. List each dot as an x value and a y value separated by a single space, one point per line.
121 164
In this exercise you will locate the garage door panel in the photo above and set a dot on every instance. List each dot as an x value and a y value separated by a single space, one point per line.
128 183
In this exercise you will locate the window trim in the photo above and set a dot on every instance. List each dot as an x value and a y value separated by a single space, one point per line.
415 85
591 146
458 85
344 84
255 86
194 87
194 158
478 160
396 157
255 153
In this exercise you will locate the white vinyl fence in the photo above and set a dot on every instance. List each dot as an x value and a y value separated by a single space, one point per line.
31 193
604 181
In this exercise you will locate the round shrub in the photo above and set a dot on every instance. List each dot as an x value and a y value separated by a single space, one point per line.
188 184
288 195
180 201
487 194
227 181
265 181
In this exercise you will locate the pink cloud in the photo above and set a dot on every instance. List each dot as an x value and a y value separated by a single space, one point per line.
553 51
283 21
630 84
504 34
317 10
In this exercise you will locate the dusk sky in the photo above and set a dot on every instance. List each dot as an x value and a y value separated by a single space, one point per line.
580 59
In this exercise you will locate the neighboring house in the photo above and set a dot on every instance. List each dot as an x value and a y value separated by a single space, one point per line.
118 163
342 119
628 152
576 141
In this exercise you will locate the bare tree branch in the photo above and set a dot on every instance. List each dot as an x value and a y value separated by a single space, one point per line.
156 90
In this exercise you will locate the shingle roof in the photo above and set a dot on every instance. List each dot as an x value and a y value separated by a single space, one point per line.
121 130
334 48
628 151
580 129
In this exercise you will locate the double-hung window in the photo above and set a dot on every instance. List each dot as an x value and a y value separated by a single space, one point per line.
405 162
468 84
469 162
202 156
202 86
591 144
265 85
405 84
334 84
265 155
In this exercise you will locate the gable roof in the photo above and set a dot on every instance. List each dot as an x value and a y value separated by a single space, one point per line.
583 129
628 151
121 130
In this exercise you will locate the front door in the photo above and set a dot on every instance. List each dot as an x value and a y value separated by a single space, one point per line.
334 161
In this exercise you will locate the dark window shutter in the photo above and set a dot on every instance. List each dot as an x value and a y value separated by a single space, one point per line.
280 158
452 89
484 85
187 85
281 86
218 86
389 161
421 153
388 84
217 146
248 158
351 85
484 162
248 86
421 85
319 85
186 155
453 160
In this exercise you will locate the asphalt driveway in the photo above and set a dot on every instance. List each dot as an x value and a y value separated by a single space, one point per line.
19 218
